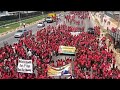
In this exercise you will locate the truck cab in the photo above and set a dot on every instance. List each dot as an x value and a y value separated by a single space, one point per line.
48 19
52 16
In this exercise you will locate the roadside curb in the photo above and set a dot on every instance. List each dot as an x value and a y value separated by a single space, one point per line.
13 30
101 32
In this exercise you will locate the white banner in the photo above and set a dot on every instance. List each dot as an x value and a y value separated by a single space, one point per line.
25 66
75 33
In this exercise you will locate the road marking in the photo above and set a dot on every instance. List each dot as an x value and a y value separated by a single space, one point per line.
7 39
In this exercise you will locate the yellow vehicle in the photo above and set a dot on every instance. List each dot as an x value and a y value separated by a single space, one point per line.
53 16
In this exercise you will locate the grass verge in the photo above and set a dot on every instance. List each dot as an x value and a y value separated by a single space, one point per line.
16 25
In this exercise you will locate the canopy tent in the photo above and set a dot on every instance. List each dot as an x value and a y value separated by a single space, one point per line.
75 33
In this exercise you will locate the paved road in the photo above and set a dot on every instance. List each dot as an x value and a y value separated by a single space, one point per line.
86 23
10 37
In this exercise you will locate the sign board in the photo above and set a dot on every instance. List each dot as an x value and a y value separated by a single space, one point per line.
66 50
75 33
25 66
61 71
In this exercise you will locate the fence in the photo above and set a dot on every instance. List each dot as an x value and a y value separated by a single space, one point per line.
110 15
115 35
114 16
6 20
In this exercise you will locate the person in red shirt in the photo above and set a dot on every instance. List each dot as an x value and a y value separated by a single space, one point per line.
114 61
89 17
58 63
30 32
62 63
94 67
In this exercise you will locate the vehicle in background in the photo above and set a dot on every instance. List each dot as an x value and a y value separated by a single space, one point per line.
48 20
21 33
40 24
90 30
51 16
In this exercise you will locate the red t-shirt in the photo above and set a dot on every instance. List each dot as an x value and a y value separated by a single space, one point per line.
94 67
82 62
52 64
114 61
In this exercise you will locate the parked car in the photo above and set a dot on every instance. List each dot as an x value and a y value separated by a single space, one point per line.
40 24
20 33
90 30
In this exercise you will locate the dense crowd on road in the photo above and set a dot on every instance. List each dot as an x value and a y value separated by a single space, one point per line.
92 61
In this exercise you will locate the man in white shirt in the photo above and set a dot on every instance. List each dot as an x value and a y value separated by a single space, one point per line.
29 53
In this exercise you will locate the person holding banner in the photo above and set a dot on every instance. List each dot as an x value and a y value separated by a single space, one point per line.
86 44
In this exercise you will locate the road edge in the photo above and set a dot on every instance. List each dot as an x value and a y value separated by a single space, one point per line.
13 30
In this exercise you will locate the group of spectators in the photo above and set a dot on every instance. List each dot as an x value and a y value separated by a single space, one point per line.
92 60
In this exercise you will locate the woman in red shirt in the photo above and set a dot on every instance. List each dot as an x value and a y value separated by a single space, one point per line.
58 63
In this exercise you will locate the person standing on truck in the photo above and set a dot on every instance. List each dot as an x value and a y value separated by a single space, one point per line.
58 17
54 18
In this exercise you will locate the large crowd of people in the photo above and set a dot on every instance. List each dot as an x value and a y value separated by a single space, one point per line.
93 60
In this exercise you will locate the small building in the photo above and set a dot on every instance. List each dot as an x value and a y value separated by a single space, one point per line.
4 13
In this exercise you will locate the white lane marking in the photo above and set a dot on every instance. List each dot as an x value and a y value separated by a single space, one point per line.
7 39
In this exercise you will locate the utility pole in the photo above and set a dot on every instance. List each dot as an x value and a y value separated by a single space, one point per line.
42 12
19 18
43 15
